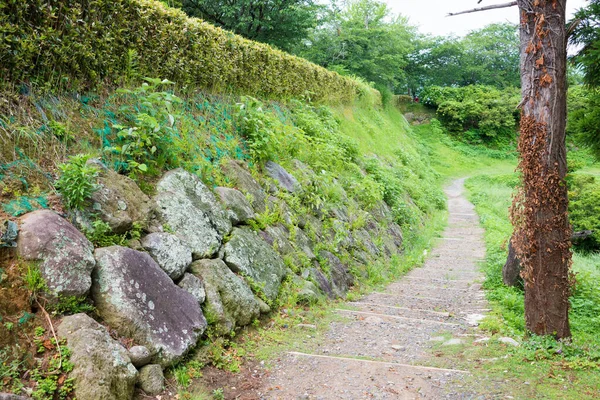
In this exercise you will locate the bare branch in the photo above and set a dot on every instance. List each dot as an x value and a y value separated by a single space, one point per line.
492 7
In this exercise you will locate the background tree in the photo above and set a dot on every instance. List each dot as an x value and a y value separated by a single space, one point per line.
363 38
281 23
584 121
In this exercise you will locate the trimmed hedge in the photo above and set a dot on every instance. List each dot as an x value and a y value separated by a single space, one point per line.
82 43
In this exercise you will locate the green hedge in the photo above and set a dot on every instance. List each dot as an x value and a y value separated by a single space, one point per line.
82 43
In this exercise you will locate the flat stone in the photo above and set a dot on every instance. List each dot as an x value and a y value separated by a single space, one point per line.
474 319
509 341
171 253
139 300
247 253
101 365
453 342
64 255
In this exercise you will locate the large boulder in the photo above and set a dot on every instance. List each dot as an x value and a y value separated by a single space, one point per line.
248 254
139 300
244 181
64 254
171 253
238 207
192 212
322 282
277 237
303 242
283 178
102 369
229 301
118 200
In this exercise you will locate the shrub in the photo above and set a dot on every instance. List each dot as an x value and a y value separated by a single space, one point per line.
584 209
76 183
69 43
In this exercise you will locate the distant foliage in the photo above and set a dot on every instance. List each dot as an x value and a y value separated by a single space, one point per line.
70 44
584 209
478 114
583 122
282 23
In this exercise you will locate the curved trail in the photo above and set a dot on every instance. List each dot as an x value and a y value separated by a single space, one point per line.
383 352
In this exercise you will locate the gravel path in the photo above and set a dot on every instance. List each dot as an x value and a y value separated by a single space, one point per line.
383 352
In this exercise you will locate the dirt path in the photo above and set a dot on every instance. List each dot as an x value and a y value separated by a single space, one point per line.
382 353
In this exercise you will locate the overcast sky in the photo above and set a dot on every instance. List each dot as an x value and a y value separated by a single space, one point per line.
430 15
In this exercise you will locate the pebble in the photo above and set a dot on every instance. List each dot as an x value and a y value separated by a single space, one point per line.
510 341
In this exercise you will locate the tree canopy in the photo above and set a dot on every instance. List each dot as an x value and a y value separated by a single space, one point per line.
281 23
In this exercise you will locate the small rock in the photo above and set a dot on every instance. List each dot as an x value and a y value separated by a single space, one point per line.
169 252
452 342
194 286
307 326
482 340
151 379
474 319
10 396
283 178
398 348
437 339
510 341
140 356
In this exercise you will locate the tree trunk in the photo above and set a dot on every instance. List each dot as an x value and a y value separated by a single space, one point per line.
539 213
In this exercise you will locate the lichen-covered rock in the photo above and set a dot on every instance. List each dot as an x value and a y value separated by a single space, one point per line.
237 205
102 368
396 233
229 301
64 254
248 254
283 178
118 200
171 253
192 212
139 356
341 278
139 300
151 379
194 286
244 181
307 292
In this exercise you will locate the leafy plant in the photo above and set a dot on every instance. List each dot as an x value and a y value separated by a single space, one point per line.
77 181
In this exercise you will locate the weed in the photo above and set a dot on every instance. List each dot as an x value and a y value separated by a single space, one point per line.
76 183
218 394
34 281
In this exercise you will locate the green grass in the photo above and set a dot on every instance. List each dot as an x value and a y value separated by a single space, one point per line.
553 369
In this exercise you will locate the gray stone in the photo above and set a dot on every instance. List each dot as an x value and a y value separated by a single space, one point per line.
102 368
10 396
8 234
139 300
306 291
243 180
509 341
151 379
283 178
194 286
192 212
64 254
118 200
395 232
277 237
341 278
248 254
304 243
363 239
229 301
170 253
239 209
452 342
382 212
264 307
140 356
322 282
